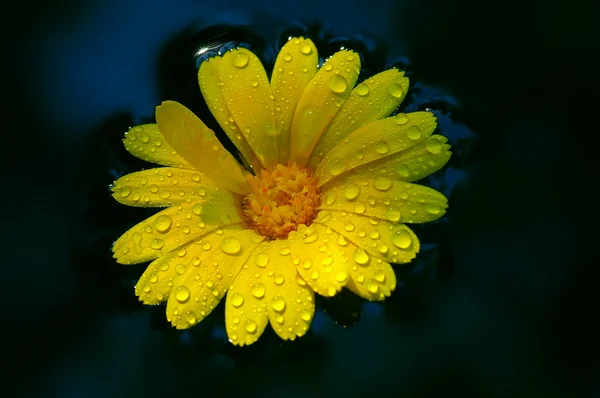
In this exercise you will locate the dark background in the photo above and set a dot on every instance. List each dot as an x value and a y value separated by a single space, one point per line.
506 304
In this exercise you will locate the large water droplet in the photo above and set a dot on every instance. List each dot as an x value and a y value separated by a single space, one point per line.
362 89
336 166
413 132
182 294
163 223
382 147
380 276
341 276
237 300
231 245
372 287
278 279
434 146
396 90
359 208
258 290
383 183
330 197
157 244
403 170
250 326
125 191
401 119
393 214
401 239
240 60
262 259
305 315
287 57
305 49
197 209
351 191
433 208
278 304
361 257
338 84
349 226
310 235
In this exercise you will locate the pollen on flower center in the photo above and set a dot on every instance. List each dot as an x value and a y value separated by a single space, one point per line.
281 199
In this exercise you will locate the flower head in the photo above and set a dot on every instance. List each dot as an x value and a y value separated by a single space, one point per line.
322 203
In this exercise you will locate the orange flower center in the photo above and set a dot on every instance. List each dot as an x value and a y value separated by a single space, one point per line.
281 199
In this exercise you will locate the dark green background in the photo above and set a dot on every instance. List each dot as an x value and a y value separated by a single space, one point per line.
511 307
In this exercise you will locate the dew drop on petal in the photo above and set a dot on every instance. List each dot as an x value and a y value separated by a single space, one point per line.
305 315
383 183
262 259
413 132
341 276
338 84
362 89
190 317
258 290
330 197
403 170
351 191
125 191
396 90
163 223
380 276
305 49
372 287
336 166
278 279
393 214
401 119
278 304
382 147
287 57
434 146
197 209
361 257
310 235
432 208
359 208
240 60
250 326
237 300
231 245
182 294
157 244
401 239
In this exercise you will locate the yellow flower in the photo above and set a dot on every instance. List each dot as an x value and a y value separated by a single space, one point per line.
324 208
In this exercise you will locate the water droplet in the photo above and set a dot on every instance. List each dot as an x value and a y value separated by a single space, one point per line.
349 57
147 288
383 249
196 177
190 317
330 198
396 90
362 89
182 294
157 244
328 67
180 269
380 276
359 154
432 208
125 191
153 278
351 191
359 208
300 281
287 57
207 246
315 275
258 290
278 304
434 146
349 226
341 276
338 84
165 194
310 235
383 183
254 83
197 209
413 132
240 60
262 259
401 119
250 326
305 315
231 245
336 166
372 287
393 214
285 251
401 239
361 257
342 241
237 300
163 223
382 147
374 235
305 49
403 170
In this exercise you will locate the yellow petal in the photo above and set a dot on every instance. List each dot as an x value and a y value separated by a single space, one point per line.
161 187
294 68
147 143
176 226
268 286
198 145
247 92
369 276
197 292
210 85
375 141
322 99
371 100
156 283
394 243
319 258
412 164
386 199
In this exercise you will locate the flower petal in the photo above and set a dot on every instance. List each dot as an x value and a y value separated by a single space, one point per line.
210 86
161 187
374 141
198 145
197 292
386 199
319 258
417 162
156 283
175 226
394 243
371 100
268 284
322 99
374 282
247 92
147 143
294 68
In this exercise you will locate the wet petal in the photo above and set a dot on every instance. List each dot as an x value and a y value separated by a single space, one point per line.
319 258
375 141
197 292
374 282
210 85
412 164
394 243
247 92
294 68
161 187
176 226
386 199
147 143
198 145
371 100
322 99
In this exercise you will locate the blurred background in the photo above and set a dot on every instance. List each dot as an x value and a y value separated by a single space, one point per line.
503 301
